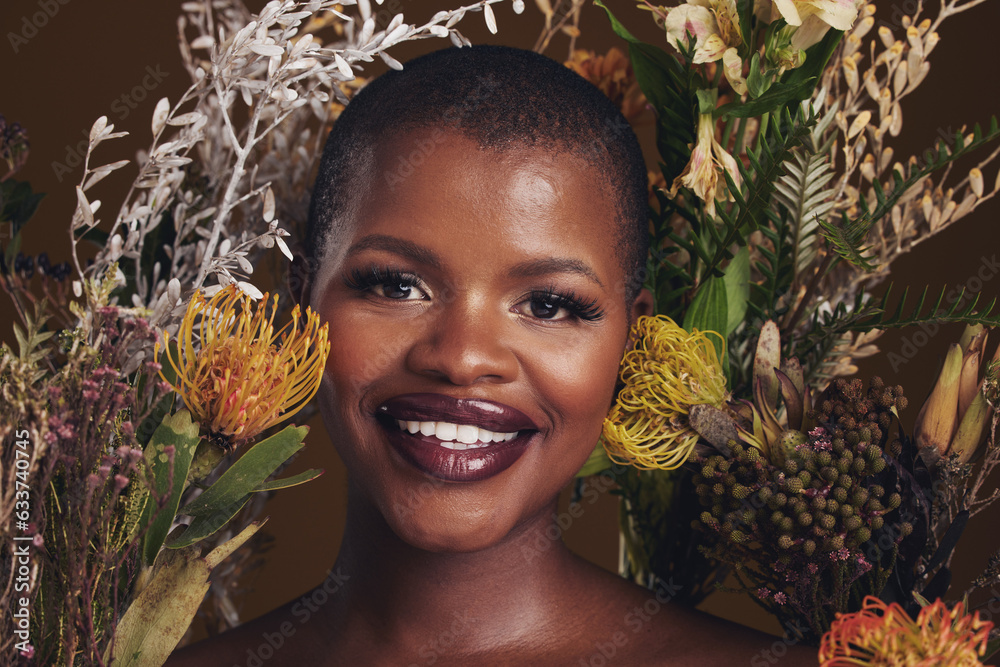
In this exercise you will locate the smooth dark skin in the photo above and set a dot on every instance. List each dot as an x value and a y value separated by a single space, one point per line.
455 577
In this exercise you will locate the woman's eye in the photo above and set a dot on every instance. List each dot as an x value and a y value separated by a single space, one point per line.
397 290
547 309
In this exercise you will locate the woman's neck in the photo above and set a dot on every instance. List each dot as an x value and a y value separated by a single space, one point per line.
412 600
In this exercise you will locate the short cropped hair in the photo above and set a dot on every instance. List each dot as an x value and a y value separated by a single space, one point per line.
503 98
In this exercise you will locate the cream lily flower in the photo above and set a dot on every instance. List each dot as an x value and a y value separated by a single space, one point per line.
838 14
715 26
701 175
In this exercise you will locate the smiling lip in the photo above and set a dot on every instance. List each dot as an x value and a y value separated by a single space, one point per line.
427 452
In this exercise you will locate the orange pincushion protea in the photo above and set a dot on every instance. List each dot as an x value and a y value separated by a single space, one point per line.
244 376
613 74
885 636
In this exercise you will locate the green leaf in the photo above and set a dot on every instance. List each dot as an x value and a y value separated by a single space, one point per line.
706 100
206 524
778 95
616 25
597 462
160 615
248 472
737 281
708 311
19 203
817 56
179 432
288 482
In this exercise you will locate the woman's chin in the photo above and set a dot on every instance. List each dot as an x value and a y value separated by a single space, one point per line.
446 532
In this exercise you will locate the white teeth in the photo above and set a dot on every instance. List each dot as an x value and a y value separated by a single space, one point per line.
446 431
467 434
456 436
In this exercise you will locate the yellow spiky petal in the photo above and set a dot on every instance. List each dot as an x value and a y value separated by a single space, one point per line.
243 377
668 371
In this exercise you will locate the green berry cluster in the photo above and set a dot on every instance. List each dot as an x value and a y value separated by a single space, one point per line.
823 496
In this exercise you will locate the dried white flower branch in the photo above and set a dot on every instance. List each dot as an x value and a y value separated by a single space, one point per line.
235 152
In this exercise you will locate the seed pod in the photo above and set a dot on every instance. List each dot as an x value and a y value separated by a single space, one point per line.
836 543
777 516
905 528
805 476
808 547
877 522
805 519
877 490
861 535
859 466
846 511
852 523
874 505
818 503
843 467
780 499
845 481
878 466
832 506
765 494
738 537
893 501
840 494
718 489
859 497
826 521
785 542
740 492
794 484
824 458
829 474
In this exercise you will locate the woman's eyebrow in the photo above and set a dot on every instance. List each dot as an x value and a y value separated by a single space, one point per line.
541 267
396 246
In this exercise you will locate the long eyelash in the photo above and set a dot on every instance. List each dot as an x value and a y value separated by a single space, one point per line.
363 279
586 310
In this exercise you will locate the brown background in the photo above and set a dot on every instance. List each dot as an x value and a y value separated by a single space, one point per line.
90 53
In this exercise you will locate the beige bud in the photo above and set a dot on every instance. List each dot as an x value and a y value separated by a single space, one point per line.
976 181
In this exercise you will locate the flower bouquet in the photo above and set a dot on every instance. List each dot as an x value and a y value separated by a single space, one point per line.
143 396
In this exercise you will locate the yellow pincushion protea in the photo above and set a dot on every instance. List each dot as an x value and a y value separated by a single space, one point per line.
668 371
885 636
244 376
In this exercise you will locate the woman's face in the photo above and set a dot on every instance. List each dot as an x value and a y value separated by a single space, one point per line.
477 318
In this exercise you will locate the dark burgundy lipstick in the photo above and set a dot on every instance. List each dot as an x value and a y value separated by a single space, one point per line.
456 439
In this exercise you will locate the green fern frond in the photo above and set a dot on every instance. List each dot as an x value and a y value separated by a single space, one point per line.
847 241
801 195
754 198
29 342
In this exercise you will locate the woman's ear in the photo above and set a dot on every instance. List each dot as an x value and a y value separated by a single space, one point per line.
300 276
643 305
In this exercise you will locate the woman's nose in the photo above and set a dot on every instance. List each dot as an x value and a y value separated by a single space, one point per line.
464 345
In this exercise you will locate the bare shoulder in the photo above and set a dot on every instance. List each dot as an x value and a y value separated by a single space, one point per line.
288 635
638 626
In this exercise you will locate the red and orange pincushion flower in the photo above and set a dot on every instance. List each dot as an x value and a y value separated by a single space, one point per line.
885 636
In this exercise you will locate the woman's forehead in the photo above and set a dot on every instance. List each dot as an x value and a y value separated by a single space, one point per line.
443 190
